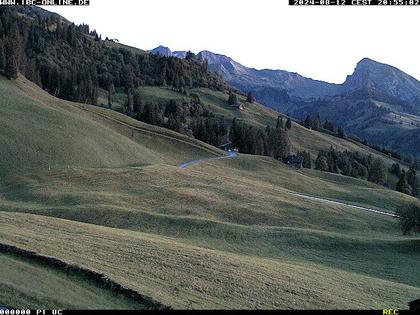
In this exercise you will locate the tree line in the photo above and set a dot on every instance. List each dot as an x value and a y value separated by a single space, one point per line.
271 141
354 164
72 62
407 180
315 123
195 119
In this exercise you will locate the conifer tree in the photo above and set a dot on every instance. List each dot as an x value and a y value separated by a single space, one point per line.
341 133
190 55
307 163
317 122
412 180
2 56
250 98
395 169
288 123
308 122
321 162
12 51
233 99
11 66
409 217
11 69
111 92
137 102
281 144
402 185
377 172
171 122
280 123
329 126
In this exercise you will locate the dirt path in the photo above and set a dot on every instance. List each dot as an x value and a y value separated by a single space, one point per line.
345 204
233 155
230 155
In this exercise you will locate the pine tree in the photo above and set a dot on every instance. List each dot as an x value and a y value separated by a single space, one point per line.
412 180
171 122
129 102
395 169
233 99
402 185
111 92
409 217
190 55
307 163
341 133
308 122
2 56
11 67
137 102
321 162
250 98
317 122
377 172
233 132
12 51
281 144
288 123
280 123
329 126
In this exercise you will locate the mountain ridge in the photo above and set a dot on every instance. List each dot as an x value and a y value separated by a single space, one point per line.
361 77
377 102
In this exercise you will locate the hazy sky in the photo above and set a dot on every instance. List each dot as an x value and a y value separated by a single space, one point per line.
323 43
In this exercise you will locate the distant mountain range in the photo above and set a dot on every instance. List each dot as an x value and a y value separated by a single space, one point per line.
165 51
377 102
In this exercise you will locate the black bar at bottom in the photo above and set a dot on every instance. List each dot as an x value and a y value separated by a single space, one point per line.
268 312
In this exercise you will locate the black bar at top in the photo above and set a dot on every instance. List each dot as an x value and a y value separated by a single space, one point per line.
353 2
44 2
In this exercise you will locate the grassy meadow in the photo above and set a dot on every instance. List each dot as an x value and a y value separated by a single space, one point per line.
27 284
220 234
258 115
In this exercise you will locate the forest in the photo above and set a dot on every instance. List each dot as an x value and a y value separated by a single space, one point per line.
72 62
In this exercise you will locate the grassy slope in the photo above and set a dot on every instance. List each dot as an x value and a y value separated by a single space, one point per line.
211 206
190 276
259 115
199 237
25 284
28 126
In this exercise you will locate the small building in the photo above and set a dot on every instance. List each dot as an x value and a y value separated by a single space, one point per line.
229 147
239 106
414 305
294 160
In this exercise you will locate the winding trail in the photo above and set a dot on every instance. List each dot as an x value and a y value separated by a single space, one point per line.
230 155
234 154
345 204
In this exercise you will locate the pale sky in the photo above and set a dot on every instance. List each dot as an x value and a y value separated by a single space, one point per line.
322 43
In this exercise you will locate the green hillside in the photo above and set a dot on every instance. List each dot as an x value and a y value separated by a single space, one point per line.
25 284
219 234
257 115
41 132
